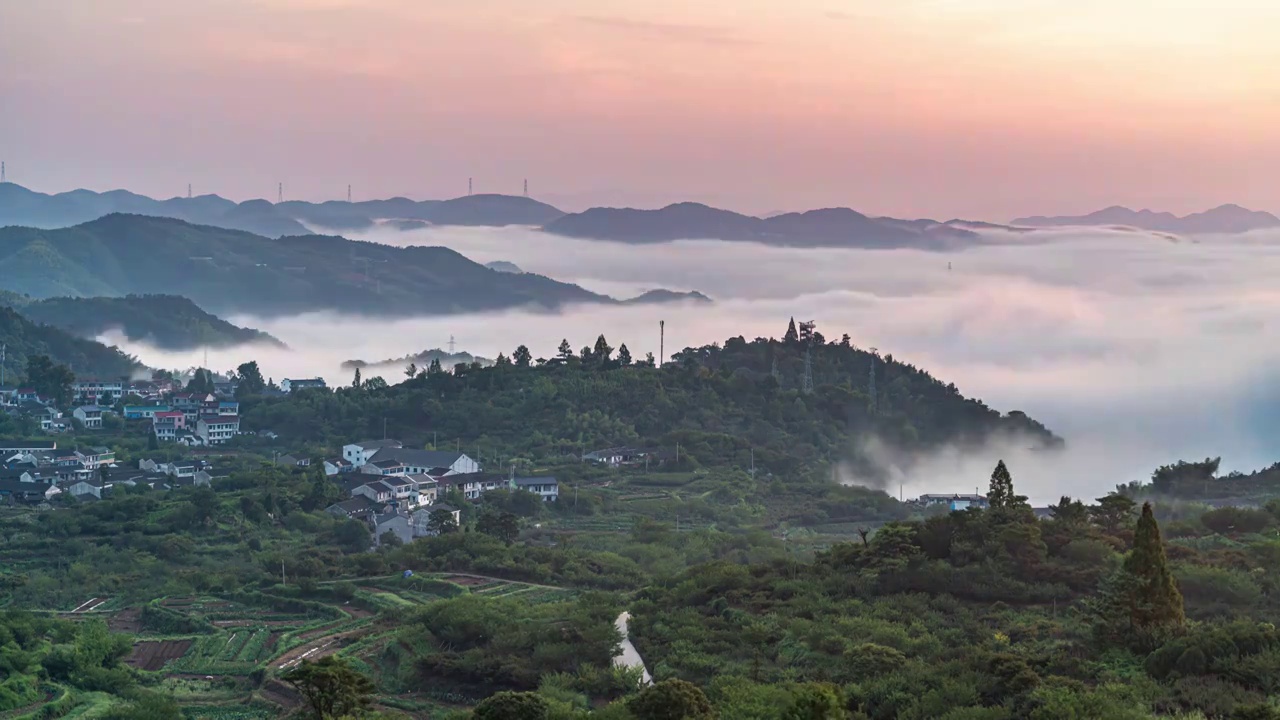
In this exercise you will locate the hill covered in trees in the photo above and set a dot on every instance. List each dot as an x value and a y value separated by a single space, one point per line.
739 403
226 271
166 321
23 339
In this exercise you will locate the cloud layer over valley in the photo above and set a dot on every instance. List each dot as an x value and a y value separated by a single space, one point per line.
1138 349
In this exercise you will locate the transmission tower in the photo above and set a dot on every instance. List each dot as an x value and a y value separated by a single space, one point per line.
451 344
279 193
806 337
2 171
348 193
188 191
526 188
774 370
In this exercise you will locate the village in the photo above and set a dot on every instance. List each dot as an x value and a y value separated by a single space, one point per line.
398 491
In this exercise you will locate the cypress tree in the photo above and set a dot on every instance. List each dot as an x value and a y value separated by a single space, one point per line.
1157 604
792 336
1000 494
1140 606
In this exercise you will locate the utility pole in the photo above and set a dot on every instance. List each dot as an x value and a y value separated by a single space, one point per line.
4 355
282 571
753 462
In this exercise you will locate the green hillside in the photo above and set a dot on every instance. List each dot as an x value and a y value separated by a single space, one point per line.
226 271
23 338
166 321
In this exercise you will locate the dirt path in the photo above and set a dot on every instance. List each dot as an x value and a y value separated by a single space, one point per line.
313 650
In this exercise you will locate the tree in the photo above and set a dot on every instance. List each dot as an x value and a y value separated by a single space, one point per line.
442 522
1000 495
671 700
250 380
411 371
512 706
504 526
1236 521
565 352
1112 512
816 702
201 382
501 361
435 368
389 539
331 687
521 357
1194 476
375 383
1069 512
1140 605
355 383
602 352
792 336
49 379
624 356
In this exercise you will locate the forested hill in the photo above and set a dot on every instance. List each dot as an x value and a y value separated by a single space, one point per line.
166 321
719 403
227 271
23 338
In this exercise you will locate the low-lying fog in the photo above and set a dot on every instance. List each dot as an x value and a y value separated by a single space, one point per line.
1138 349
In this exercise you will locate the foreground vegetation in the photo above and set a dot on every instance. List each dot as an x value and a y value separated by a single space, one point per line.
757 587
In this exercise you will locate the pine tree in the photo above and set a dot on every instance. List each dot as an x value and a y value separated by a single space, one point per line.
566 351
624 355
1140 606
792 336
1000 495
602 351
435 368
521 357
356 382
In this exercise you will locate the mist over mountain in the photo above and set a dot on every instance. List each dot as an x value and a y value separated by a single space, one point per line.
227 271
167 321
1226 219
828 227
23 338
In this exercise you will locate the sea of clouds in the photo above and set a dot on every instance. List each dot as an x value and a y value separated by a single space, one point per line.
1137 348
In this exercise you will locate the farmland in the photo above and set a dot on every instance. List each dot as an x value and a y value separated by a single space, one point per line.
246 640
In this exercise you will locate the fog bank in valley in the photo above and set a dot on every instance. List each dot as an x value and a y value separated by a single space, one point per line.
1138 349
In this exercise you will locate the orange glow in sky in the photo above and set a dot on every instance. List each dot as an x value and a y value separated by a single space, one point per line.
975 108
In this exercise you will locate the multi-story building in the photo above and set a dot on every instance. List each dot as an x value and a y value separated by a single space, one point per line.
216 429
168 425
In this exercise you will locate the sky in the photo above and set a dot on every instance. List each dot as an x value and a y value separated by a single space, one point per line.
983 109
1138 350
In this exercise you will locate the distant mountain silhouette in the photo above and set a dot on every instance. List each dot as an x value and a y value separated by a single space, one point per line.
655 297
23 207
1222 219
229 271
829 227
503 266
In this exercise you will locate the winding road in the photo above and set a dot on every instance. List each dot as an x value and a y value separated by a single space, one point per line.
628 656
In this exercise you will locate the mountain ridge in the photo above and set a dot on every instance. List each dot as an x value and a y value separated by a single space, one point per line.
1225 219
20 206
235 272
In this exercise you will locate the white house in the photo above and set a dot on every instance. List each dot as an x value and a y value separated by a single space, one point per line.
90 391
377 491
333 466
420 462
395 523
544 487
289 386
359 453
217 429
89 415
86 486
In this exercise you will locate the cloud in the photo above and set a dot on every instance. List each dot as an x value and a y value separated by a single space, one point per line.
1138 350
679 32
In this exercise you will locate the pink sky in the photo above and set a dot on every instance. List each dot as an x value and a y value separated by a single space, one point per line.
975 108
